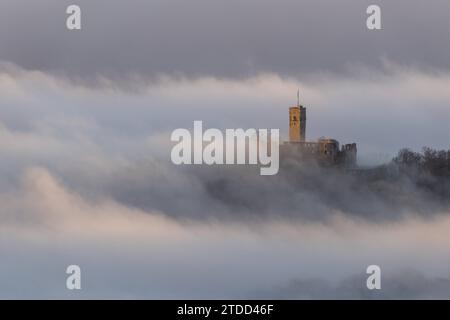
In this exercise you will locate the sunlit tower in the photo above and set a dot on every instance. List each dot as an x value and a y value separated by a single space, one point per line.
297 122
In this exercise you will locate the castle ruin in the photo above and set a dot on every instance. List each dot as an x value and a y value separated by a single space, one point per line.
325 150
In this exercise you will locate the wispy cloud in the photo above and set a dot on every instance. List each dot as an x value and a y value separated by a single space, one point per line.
86 179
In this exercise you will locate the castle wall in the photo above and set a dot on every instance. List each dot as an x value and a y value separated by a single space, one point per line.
325 150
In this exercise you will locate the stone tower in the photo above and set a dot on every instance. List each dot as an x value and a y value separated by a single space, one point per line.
297 122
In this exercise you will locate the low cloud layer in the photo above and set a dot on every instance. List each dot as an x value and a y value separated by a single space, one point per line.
87 179
130 253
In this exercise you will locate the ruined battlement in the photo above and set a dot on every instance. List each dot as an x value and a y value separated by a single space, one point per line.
325 150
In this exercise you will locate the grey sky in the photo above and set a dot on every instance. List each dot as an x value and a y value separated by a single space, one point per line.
222 38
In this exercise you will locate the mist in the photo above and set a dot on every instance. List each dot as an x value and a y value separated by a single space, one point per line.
87 180
131 253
